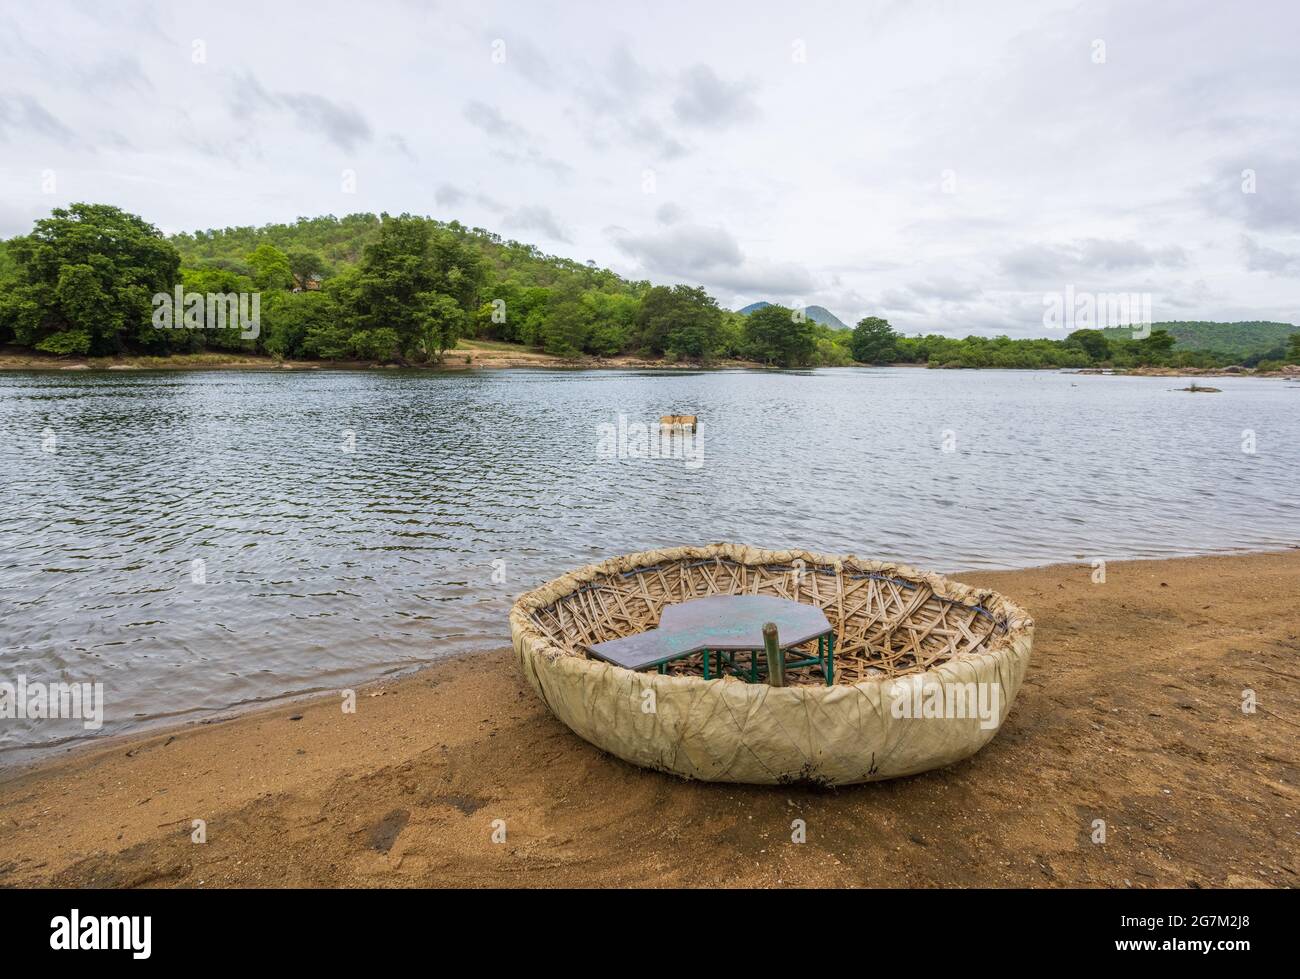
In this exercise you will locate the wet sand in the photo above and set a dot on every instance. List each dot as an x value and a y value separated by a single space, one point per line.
1131 713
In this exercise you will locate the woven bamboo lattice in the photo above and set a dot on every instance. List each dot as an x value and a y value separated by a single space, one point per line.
886 622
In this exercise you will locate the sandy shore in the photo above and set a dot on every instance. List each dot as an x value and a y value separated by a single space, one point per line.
1131 713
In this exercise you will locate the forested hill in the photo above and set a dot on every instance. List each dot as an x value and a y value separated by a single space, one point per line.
92 280
1237 341
340 243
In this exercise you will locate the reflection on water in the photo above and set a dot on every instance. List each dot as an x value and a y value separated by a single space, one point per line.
350 524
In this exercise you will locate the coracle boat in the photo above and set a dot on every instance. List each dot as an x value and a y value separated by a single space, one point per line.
915 671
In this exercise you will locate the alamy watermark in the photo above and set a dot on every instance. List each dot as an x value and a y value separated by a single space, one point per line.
1073 310
181 310
919 697
34 700
76 931
650 440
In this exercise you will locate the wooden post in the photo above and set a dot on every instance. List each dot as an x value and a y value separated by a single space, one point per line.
775 656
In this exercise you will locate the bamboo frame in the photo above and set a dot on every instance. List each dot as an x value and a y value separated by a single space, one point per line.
887 621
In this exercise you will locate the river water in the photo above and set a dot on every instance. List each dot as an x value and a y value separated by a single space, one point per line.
196 541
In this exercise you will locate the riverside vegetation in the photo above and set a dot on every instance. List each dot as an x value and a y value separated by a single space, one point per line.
405 289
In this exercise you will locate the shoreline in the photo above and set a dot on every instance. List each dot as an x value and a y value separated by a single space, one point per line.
469 357
1131 712
480 355
24 758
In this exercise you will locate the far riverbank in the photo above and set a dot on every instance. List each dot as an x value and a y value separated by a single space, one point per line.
485 354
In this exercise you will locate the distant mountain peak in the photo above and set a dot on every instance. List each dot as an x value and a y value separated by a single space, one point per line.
818 314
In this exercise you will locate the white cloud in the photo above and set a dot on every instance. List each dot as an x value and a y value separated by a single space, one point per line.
925 161
537 219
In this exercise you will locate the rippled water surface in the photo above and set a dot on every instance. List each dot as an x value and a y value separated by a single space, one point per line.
325 567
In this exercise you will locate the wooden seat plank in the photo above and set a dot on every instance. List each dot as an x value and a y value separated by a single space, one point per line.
718 622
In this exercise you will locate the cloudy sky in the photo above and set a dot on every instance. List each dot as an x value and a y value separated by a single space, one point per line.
944 164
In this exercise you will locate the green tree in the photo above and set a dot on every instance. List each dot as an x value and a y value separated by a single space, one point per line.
874 341
731 334
88 270
1093 342
610 320
500 312
527 326
270 268
304 264
777 335
85 309
289 318
419 281
831 353
567 326
204 281
681 320
441 322
513 313
1155 349
380 344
